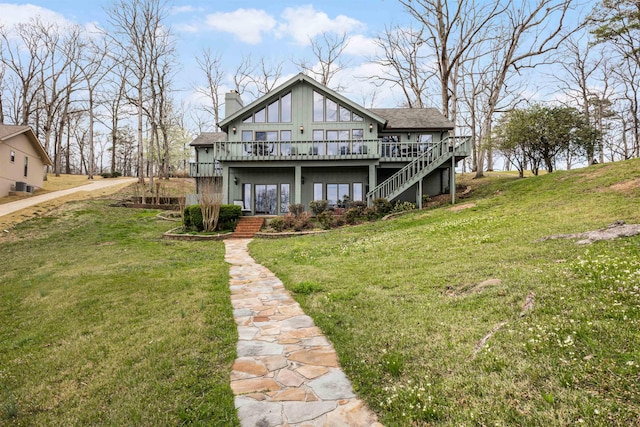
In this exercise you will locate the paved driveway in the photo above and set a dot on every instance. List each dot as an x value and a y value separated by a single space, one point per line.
7 208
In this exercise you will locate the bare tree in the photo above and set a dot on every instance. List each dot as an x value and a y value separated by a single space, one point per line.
95 66
327 49
210 200
524 35
452 28
24 58
404 64
136 23
211 66
266 76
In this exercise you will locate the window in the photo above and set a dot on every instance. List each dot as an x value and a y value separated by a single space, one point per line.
26 165
13 156
318 107
318 147
285 147
332 147
317 191
357 192
246 196
267 136
357 118
259 116
284 198
248 120
358 133
247 149
345 115
273 115
337 193
285 108
285 135
332 111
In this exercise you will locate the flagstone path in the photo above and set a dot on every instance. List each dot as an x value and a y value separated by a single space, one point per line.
287 372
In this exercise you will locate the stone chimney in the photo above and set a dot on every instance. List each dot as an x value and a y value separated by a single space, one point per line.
232 102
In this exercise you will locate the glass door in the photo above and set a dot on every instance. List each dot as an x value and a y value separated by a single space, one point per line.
266 199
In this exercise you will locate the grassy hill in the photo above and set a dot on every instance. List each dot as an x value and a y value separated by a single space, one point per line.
440 317
426 311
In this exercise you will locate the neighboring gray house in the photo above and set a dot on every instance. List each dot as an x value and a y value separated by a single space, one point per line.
303 141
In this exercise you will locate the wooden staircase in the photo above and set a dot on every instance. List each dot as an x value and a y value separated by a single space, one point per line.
423 165
247 227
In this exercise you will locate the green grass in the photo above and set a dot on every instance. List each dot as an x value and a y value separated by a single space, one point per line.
104 323
399 300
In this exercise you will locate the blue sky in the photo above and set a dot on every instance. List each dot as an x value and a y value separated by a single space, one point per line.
278 31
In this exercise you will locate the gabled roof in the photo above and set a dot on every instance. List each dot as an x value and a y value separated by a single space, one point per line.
413 118
300 78
208 139
10 131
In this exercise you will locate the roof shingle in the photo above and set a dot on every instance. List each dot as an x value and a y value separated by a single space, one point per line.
413 118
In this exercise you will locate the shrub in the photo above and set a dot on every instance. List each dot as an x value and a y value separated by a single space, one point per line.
278 224
318 206
326 219
296 209
228 216
186 217
352 215
105 175
370 213
289 220
403 206
425 199
360 205
115 174
195 215
382 206
303 221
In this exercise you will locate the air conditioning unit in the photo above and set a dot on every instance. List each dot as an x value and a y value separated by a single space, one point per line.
29 188
21 186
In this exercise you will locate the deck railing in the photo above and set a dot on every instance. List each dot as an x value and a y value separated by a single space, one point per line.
423 164
296 150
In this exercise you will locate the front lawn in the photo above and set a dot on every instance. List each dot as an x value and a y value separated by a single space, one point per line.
553 340
104 323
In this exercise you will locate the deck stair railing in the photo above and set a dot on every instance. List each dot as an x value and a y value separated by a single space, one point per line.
420 167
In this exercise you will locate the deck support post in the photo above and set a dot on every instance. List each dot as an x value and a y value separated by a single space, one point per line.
297 187
419 194
373 180
225 184
452 183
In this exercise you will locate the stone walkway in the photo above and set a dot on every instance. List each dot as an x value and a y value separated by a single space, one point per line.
287 372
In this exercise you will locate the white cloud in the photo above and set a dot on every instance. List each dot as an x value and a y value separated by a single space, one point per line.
11 14
184 9
304 22
360 45
248 25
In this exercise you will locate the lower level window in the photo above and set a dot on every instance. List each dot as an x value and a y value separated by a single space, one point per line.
357 192
337 193
284 198
26 166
